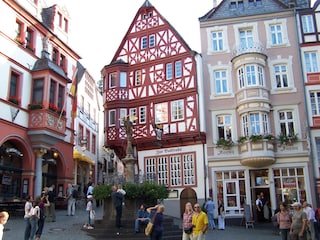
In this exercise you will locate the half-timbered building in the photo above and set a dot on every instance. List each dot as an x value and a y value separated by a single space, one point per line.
155 79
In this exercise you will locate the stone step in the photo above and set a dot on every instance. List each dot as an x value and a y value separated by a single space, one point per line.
105 229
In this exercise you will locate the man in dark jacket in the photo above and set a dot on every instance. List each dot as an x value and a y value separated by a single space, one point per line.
117 199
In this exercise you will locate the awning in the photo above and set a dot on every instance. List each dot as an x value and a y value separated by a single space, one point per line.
82 157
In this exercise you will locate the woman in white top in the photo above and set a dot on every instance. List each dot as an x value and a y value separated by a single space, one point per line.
27 215
3 220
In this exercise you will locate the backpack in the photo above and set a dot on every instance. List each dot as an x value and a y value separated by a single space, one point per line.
75 193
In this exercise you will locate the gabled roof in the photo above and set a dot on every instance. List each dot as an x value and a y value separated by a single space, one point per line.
223 10
146 6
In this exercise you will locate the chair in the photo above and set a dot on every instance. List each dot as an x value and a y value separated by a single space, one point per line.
249 222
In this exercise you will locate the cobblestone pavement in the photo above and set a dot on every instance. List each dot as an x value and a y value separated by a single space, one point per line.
69 228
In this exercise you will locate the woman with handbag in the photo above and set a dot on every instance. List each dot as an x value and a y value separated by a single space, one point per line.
187 222
156 214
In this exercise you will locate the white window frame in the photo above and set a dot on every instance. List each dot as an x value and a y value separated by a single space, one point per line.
311 58
307 23
112 119
276 34
142 115
133 113
314 102
123 114
284 32
113 81
221 82
225 41
144 42
161 112
255 123
250 75
123 79
138 77
281 76
177 110
224 122
289 123
169 71
152 40
217 41
178 69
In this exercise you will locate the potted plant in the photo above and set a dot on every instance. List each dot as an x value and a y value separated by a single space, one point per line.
34 106
269 137
289 139
255 137
242 139
53 107
224 143
14 100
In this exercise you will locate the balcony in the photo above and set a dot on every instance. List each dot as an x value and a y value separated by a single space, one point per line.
46 126
259 153
255 47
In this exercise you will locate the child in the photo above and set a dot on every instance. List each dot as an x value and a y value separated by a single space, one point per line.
89 209
3 220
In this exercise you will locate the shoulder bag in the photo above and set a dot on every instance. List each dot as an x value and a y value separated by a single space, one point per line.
149 226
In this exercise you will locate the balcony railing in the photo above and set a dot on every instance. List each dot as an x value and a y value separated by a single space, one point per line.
47 119
255 47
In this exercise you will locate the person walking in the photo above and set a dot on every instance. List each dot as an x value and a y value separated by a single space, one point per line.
143 217
284 220
200 223
259 207
311 220
299 223
71 201
117 199
221 215
43 204
156 213
4 216
187 222
90 189
210 206
27 215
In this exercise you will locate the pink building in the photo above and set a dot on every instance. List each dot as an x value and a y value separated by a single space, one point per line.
257 129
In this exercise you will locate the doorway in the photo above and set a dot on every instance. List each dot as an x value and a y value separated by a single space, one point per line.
260 186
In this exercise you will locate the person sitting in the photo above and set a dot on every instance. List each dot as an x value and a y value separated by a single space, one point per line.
143 217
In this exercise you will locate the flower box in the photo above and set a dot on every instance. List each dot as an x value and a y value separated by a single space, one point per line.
34 106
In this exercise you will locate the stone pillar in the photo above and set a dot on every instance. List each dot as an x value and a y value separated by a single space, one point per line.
129 162
38 180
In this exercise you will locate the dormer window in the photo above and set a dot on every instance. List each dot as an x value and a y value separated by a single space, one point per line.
236 4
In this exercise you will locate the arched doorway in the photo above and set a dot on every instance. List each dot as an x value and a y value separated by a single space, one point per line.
187 195
10 171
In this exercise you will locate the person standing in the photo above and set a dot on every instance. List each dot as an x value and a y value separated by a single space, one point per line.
71 201
89 208
90 189
117 199
299 223
52 200
156 213
34 218
311 220
259 207
284 220
210 206
187 222
143 217
4 216
221 221
200 223
43 204
27 215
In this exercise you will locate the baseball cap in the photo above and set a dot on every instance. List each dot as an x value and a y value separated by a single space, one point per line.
296 204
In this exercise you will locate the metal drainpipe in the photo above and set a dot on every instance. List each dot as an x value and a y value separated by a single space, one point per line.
296 18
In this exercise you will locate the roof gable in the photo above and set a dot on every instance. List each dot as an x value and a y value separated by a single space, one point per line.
147 21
